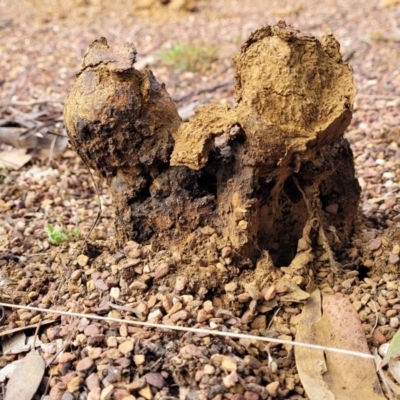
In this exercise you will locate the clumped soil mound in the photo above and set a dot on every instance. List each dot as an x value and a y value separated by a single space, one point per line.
272 177
253 215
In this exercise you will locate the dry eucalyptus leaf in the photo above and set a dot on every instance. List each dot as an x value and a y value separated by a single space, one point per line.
346 377
14 158
16 344
8 370
310 363
25 380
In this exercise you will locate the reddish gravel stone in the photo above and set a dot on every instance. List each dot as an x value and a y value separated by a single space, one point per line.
92 381
84 364
155 379
57 391
375 244
67 357
92 330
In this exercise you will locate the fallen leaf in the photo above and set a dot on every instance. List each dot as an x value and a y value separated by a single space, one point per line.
330 375
14 158
16 344
310 363
348 377
8 370
25 380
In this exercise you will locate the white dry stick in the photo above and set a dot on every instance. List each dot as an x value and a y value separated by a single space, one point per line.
193 330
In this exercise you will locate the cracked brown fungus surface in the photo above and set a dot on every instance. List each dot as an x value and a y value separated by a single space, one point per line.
260 175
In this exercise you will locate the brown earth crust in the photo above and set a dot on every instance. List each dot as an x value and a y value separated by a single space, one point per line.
205 272
261 174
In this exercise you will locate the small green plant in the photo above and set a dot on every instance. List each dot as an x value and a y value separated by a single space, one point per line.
376 35
190 56
59 234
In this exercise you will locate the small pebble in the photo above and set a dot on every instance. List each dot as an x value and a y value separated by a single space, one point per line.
57 391
146 392
76 274
137 285
155 379
230 380
94 394
259 322
272 388
231 286
111 341
91 330
126 347
161 271
115 292
181 282
67 357
248 395
226 252
95 352
182 315
106 392
270 293
74 384
92 381
379 336
394 259
84 364
332 209
139 359
155 315
209 369
82 260
375 244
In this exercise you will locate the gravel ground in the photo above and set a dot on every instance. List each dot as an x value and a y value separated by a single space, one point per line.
41 51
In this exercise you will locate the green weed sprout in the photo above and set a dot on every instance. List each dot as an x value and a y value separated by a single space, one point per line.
191 56
59 234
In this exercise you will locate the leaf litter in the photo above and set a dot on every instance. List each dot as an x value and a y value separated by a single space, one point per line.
334 375
34 272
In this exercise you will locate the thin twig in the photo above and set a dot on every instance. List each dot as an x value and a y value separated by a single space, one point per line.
39 324
24 328
376 317
51 152
100 206
2 315
30 103
193 330
321 231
